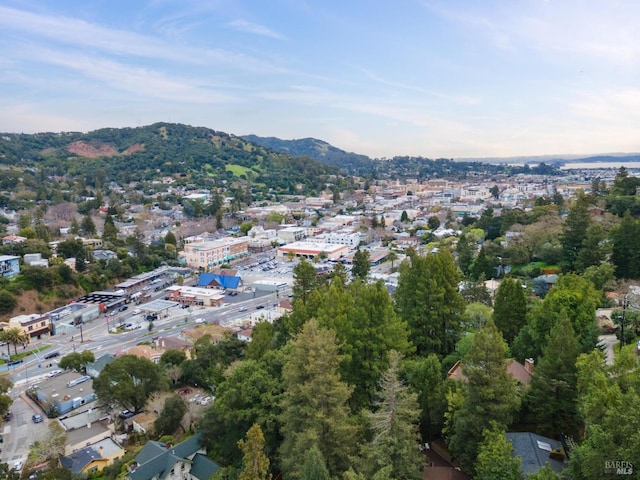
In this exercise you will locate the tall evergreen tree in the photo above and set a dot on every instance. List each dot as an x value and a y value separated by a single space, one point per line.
425 376
367 328
510 308
490 398
305 281
109 231
427 298
594 249
255 464
314 467
625 254
315 409
394 427
465 252
574 232
483 265
552 398
74 227
87 227
361 265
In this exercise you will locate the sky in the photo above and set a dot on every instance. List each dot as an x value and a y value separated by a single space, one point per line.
432 78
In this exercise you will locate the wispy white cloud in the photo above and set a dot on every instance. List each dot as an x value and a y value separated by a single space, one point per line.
455 98
86 35
601 31
144 83
255 29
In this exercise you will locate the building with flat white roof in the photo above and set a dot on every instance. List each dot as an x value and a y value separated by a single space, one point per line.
312 250
198 296
292 234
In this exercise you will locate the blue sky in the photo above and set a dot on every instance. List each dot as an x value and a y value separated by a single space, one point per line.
441 78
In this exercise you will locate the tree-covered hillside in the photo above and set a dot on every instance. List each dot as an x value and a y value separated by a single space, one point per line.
398 167
146 153
316 149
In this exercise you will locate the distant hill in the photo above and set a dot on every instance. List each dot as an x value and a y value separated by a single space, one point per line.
316 149
198 155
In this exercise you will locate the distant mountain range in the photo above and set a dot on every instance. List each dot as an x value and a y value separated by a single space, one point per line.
313 148
354 162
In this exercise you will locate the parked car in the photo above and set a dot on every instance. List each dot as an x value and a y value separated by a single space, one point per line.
37 418
17 466
124 414
8 416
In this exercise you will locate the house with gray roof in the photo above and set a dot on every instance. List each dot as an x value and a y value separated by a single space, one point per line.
186 460
93 457
535 451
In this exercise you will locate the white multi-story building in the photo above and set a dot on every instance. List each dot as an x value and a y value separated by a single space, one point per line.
207 255
292 234
344 237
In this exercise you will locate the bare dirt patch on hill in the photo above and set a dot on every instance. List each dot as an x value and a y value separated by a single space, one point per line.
89 150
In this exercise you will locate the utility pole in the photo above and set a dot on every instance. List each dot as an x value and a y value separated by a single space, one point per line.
625 302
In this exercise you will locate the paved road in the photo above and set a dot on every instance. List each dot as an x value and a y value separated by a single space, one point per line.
21 432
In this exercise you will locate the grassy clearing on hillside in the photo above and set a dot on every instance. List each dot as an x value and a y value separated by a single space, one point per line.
237 170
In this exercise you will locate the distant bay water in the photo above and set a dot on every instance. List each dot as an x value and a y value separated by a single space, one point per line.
599 165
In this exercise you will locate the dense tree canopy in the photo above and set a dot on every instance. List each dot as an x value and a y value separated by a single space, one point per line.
427 298
314 404
127 383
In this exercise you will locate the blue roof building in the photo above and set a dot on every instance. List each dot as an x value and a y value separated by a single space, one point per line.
212 280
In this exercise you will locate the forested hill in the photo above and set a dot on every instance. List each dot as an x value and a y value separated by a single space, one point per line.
199 154
398 167
313 148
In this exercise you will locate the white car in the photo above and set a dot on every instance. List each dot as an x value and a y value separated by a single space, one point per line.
17 466
137 311
242 309
54 373
199 320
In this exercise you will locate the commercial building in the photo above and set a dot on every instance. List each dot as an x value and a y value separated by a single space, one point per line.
207 255
195 296
34 325
311 250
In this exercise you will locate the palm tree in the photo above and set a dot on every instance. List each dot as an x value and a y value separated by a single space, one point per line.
5 339
15 336
393 256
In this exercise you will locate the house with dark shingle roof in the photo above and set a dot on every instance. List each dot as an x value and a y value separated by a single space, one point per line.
535 451
186 460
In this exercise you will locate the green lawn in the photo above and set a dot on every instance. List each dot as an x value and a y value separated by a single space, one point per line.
237 170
